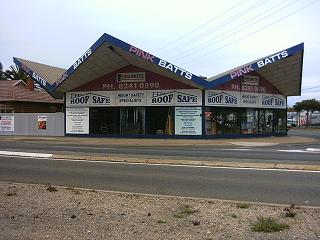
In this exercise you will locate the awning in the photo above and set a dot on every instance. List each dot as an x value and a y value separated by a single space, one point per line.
282 69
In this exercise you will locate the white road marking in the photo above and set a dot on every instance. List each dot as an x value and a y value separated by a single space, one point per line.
308 150
26 154
254 144
233 149
173 165
292 151
313 149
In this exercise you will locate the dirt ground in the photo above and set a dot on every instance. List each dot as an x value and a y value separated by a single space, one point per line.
33 212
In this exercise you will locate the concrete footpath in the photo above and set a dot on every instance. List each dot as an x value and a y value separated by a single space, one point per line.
145 159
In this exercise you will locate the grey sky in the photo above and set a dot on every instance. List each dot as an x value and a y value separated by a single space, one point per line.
58 32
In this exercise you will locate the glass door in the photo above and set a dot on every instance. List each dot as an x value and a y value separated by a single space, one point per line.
132 120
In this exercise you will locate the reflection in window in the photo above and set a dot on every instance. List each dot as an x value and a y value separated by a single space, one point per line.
280 124
231 122
132 120
160 120
249 121
214 122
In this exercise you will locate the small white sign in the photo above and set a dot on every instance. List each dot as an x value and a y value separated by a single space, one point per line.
6 123
77 120
250 80
130 98
188 121
250 100
131 77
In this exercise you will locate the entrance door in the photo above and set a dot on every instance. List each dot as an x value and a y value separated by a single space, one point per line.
132 120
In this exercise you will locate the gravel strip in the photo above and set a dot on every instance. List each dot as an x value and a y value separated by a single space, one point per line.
33 212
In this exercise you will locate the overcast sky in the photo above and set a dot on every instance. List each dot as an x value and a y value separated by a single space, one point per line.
203 36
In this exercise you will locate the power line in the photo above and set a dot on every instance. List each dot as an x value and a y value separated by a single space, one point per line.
258 30
181 56
225 23
201 26
309 88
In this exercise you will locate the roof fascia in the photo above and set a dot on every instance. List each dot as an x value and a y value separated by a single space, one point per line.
106 38
36 77
258 64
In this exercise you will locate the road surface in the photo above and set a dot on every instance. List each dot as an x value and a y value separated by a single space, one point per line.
221 183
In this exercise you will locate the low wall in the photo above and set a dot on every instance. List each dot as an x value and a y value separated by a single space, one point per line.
32 124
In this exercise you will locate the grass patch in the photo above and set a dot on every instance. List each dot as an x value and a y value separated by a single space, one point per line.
161 221
184 211
187 209
268 225
243 205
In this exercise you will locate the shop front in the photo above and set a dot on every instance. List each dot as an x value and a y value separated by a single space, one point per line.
118 90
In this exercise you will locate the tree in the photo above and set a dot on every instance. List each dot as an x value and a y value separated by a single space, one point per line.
15 73
1 72
309 105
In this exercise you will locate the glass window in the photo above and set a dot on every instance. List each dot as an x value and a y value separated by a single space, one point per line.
266 121
160 120
280 119
103 120
249 121
231 121
222 121
213 121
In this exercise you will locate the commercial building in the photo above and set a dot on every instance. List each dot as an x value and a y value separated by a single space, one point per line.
116 89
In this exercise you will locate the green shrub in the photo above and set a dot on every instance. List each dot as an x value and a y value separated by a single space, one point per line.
268 225
243 205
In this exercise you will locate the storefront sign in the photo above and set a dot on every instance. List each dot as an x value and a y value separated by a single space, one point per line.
86 99
130 98
160 98
82 58
249 99
222 98
179 97
100 99
244 99
187 97
162 63
131 77
6 123
42 122
188 121
273 101
272 58
77 120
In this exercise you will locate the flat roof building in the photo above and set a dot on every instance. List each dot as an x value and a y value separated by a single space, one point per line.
116 89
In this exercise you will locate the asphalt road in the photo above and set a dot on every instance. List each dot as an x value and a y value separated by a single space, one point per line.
272 154
236 184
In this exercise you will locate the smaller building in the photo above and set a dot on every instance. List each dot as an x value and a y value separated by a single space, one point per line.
17 96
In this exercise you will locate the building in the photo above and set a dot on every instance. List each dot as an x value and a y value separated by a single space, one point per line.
18 96
116 89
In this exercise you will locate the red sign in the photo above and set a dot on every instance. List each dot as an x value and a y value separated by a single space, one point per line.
152 81
252 82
